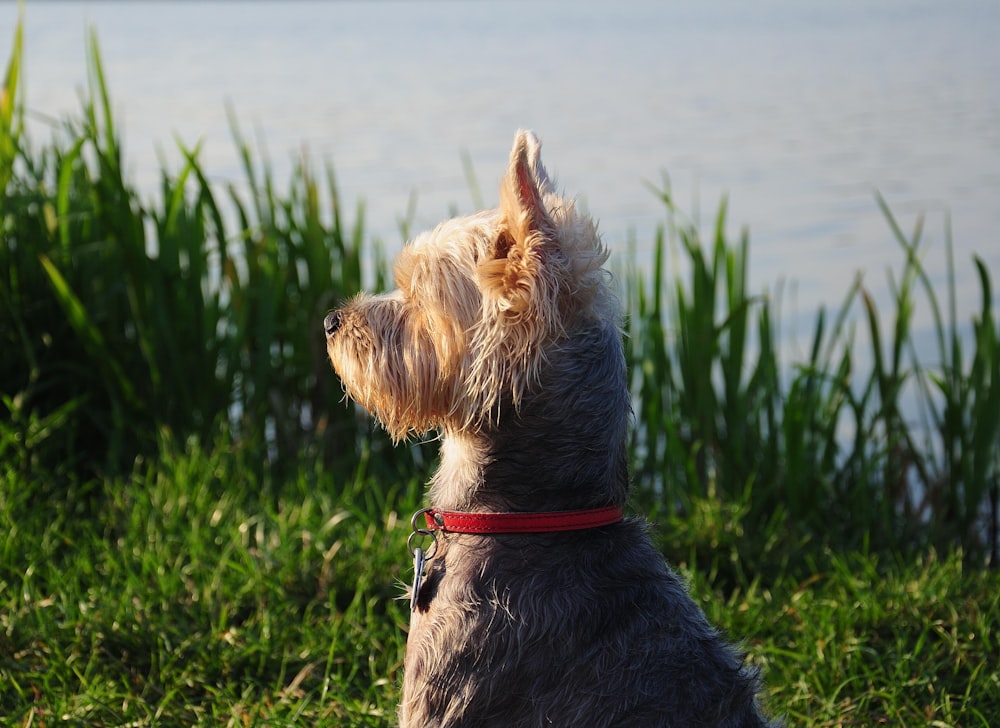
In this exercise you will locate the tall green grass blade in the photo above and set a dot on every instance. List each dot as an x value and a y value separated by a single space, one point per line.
984 384
11 121
89 334
105 120
65 192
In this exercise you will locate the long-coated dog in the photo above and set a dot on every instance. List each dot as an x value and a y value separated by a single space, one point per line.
538 604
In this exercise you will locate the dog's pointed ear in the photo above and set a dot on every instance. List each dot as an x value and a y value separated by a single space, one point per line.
526 229
523 188
533 153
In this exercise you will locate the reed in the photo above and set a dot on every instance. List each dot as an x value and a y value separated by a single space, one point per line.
186 314
194 529
128 322
819 446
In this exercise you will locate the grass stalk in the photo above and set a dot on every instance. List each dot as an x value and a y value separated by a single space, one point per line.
194 529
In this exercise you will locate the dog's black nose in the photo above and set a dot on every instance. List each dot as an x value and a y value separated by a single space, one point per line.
331 323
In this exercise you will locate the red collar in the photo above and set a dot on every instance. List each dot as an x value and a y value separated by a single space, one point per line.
455 522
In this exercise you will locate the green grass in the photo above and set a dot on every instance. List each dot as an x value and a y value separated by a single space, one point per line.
870 641
194 530
202 595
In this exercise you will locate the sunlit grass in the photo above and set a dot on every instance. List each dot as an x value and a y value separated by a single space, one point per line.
200 594
195 530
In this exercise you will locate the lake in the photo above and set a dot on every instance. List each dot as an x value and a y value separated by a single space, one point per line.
797 110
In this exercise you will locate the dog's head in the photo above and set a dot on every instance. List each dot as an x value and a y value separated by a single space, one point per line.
482 302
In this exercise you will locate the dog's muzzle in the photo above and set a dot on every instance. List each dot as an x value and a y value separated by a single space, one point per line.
331 323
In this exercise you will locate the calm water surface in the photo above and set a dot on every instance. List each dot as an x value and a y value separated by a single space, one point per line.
797 110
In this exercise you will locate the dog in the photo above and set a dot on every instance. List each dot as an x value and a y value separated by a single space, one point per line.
541 605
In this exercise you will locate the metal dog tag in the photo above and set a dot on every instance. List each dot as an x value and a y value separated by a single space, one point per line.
418 576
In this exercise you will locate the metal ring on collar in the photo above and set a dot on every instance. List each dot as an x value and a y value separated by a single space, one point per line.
417 531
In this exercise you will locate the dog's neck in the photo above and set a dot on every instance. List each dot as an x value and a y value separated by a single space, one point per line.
519 472
459 473
563 447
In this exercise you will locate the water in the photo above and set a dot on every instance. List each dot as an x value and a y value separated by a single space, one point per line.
797 110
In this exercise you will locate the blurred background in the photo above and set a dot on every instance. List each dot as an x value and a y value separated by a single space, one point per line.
797 110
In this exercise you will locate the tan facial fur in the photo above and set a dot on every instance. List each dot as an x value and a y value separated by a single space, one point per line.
479 300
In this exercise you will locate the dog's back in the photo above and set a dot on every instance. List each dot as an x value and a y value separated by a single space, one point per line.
571 629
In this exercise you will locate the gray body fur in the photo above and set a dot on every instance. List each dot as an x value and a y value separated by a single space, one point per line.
586 628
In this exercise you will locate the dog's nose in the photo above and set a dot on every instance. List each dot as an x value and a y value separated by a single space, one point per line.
331 323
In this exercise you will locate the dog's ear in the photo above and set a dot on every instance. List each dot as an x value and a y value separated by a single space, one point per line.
526 234
533 148
542 265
